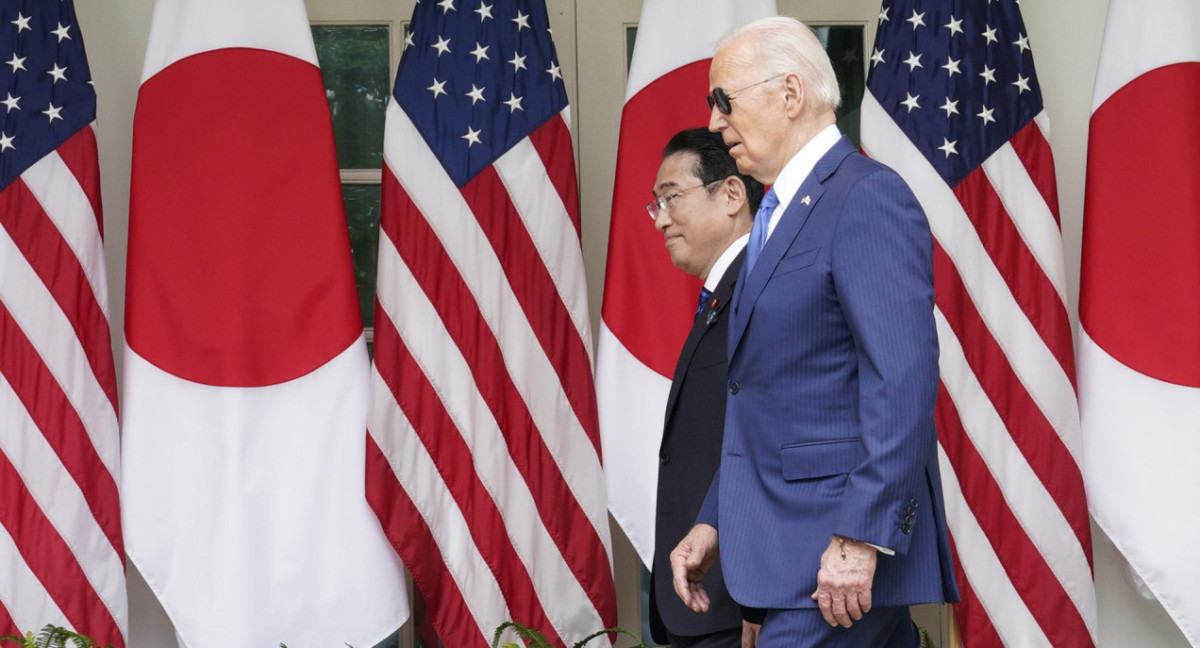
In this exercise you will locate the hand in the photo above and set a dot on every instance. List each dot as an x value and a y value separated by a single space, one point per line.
844 581
690 560
750 634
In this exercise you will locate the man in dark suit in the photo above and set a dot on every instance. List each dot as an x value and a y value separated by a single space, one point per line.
704 209
828 501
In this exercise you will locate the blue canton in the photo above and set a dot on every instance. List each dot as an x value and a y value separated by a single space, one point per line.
957 77
477 77
46 95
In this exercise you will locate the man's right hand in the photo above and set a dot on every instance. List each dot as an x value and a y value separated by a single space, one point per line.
690 560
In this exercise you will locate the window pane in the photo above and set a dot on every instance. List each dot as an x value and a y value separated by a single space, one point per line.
844 44
362 216
354 65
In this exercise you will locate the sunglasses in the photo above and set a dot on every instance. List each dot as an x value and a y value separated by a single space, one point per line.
720 99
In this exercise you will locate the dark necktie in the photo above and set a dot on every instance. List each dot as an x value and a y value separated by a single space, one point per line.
758 233
705 295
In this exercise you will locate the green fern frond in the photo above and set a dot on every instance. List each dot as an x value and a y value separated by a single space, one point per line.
27 641
926 640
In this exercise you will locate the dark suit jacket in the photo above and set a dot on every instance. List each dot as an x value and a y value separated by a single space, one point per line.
690 452
833 375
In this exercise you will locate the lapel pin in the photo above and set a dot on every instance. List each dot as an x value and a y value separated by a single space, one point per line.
715 303
806 200
712 318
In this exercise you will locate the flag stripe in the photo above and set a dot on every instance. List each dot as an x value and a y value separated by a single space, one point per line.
1027 211
58 424
1026 533
459 618
1017 418
49 256
974 626
7 627
981 566
528 462
552 141
466 494
539 209
459 238
79 154
1033 150
70 209
51 334
468 477
63 503
22 595
1000 237
487 197
51 560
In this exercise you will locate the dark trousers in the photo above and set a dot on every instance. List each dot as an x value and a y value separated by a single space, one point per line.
731 638
882 627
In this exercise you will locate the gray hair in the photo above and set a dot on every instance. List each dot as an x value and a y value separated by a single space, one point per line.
788 45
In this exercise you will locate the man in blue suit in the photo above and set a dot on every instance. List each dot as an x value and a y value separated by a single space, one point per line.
827 507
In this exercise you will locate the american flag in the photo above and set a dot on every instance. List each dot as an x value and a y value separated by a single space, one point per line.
60 522
955 107
483 461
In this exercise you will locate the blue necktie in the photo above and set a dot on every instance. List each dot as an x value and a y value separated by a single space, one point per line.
758 233
705 295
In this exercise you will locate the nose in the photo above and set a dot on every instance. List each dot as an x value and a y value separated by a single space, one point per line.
716 120
662 221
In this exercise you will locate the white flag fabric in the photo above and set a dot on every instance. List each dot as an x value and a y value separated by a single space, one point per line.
246 371
1139 304
648 303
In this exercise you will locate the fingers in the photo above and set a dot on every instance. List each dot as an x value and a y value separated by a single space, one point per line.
690 560
853 607
750 634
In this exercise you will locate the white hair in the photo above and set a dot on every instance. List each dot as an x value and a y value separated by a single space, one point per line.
786 45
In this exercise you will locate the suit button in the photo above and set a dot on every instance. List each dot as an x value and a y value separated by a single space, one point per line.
906 528
664 458
734 387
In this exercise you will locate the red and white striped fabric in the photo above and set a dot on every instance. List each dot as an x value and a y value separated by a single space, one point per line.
1139 303
648 303
1007 418
62 559
483 457
245 383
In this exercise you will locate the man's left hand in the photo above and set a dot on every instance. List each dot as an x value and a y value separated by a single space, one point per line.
844 581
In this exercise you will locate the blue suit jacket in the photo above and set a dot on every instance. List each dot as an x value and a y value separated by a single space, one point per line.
833 378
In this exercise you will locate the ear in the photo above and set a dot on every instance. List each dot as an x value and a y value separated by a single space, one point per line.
794 95
735 195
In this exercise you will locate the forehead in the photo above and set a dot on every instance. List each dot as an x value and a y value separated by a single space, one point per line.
677 169
732 62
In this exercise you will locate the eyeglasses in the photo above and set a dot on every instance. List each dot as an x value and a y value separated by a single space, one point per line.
720 99
663 203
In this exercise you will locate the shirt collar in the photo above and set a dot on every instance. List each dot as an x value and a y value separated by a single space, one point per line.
722 263
797 170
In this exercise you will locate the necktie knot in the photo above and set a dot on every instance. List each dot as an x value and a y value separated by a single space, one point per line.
705 295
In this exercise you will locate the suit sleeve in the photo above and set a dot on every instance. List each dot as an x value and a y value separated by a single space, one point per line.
882 261
708 510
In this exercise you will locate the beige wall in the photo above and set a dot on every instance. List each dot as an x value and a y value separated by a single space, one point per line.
1066 38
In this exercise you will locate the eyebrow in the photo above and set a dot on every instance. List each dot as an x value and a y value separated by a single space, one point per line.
666 185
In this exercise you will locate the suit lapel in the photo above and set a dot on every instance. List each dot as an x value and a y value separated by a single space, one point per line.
798 210
706 320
